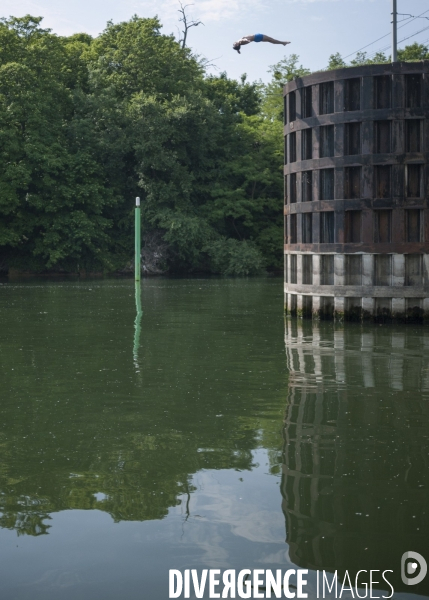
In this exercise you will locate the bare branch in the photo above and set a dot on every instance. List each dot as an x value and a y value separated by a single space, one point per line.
210 62
186 23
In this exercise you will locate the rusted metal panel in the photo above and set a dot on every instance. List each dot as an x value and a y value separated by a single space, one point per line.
383 226
307 186
307 144
383 137
367 184
293 268
327 141
367 137
339 139
299 229
414 180
339 224
413 90
426 223
383 91
397 136
292 107
293 188
316 141
425 90
383 181
367 226
307 102
413 224
327 227
398 184
352 94
413 135
307 228
426 182
398 97
352 181
353 226
327 187
326 99
293 229
299 143
352 138
316 228
367 93
339 91
292 147
298 101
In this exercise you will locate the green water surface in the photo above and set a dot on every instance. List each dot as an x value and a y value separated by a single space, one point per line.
205 433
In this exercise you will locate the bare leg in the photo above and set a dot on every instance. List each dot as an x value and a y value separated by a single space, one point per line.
267 38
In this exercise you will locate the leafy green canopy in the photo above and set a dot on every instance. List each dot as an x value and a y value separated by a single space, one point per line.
411 53
88 124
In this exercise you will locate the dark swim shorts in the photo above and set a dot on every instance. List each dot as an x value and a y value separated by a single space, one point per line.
259 37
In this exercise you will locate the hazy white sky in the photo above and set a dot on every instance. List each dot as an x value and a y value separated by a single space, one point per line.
316 28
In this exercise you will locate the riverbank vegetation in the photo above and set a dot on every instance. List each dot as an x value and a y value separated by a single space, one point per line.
87 124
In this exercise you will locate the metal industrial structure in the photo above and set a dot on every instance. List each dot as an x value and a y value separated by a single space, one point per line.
356 192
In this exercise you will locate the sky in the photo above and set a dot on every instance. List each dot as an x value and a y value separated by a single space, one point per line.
315 28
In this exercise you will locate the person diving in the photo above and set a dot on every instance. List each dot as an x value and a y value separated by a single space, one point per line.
257 37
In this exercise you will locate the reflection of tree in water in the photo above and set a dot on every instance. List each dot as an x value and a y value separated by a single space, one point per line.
356 446
96 436
141 482
28 522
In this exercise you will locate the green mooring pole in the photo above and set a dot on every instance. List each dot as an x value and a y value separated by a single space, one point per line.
137 266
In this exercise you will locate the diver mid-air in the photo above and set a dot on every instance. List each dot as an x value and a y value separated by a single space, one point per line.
257 37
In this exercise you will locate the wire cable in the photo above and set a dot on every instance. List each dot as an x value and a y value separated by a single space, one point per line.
363 48
387 34
373 54
407 15
413 34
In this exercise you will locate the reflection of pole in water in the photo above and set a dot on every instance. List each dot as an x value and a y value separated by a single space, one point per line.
355 462
137 323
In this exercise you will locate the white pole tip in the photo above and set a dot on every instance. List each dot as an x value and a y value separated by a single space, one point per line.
137 201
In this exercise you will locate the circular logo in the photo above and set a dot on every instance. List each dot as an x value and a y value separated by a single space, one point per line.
413 568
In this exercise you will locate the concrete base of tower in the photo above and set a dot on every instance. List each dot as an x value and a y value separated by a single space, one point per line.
359 287
399 310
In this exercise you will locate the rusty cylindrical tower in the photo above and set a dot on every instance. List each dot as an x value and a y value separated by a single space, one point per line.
356 192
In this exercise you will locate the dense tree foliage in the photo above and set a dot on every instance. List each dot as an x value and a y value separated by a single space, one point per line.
88 124
411 53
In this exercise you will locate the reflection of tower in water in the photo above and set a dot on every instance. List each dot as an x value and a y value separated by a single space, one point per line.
356 446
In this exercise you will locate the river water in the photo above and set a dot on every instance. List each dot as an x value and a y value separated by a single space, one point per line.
206 432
